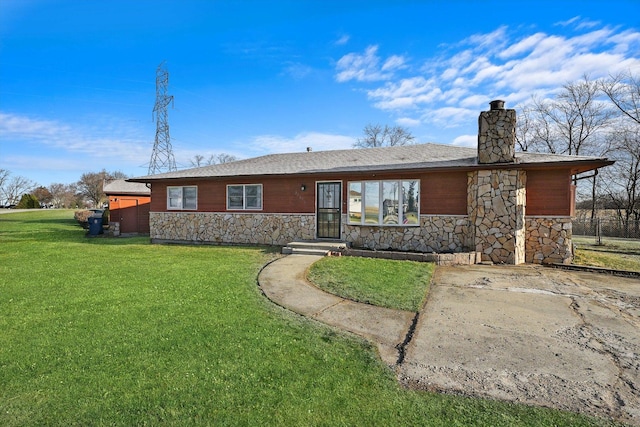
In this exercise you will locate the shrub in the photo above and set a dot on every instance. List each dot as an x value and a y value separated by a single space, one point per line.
83 217
28 201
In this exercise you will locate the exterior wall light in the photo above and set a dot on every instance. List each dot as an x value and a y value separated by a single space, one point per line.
303 187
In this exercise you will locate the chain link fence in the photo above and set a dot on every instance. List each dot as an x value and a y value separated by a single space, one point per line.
607 228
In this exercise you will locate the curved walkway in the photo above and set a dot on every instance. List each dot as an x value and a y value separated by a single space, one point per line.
284 282
529 334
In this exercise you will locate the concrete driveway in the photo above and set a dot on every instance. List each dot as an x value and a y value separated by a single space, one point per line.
531 334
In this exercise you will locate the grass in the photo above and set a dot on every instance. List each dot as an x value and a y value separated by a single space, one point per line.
619 254
118 332
402 285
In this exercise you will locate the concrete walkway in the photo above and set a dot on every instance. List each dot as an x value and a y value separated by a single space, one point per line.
529 334
284 282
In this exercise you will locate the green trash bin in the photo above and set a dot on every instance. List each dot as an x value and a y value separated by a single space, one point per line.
95 225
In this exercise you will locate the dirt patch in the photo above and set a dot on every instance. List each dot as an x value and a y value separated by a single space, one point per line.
529 334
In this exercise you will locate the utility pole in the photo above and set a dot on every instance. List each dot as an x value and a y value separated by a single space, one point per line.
162 159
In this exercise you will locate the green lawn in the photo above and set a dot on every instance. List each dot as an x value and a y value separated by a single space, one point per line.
401 285
619 254
118 332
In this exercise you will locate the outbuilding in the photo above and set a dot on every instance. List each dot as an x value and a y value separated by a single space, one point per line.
129 204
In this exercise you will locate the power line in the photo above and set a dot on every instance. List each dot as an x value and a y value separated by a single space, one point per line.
162 159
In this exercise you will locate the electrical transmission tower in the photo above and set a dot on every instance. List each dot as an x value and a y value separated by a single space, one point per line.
162 159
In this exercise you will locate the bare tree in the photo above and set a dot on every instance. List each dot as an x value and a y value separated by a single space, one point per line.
571 123
378 136
91 185
199 160
63 195
623 178
13 188
624 92
225 158
4 176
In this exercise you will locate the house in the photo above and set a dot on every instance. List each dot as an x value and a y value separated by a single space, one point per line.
511 207
129 204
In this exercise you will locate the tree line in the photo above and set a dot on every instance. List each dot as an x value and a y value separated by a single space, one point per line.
87 192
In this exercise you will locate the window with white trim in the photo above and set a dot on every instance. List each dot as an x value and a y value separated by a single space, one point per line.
182 198
384 203
244 197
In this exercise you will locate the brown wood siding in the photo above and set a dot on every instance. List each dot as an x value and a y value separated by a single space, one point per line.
132 212
441 193
549 192
444 194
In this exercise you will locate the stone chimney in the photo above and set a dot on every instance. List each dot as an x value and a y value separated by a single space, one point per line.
496 134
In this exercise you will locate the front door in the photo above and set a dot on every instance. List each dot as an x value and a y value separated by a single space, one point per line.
329 196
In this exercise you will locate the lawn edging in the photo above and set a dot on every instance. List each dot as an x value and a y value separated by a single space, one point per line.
592 269
457 258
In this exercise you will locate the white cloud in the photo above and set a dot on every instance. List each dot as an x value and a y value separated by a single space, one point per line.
452 85
407 121
449 117
366 67
578 23
344 39
115 140
393 63
568 21
298 71
407 93
268 144
466 141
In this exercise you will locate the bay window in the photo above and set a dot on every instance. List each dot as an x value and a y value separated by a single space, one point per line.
384 203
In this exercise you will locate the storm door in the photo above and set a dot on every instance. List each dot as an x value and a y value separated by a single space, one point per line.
328 210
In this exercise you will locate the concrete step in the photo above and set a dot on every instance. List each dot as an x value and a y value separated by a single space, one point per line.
304 251
314 247
318 244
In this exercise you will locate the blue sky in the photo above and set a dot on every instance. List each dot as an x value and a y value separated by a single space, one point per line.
77 78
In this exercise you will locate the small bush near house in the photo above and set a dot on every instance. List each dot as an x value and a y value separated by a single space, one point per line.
83 217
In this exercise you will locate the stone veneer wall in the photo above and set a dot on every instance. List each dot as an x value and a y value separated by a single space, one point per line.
496 136
496 204
234 228
435 234
549 240
114 228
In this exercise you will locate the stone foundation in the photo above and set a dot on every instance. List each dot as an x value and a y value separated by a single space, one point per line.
435 234
231 228
548 240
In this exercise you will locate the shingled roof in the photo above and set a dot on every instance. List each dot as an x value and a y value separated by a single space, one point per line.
120 186
408 157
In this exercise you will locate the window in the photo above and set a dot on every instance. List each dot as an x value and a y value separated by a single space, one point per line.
182 197
244 197
386 203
